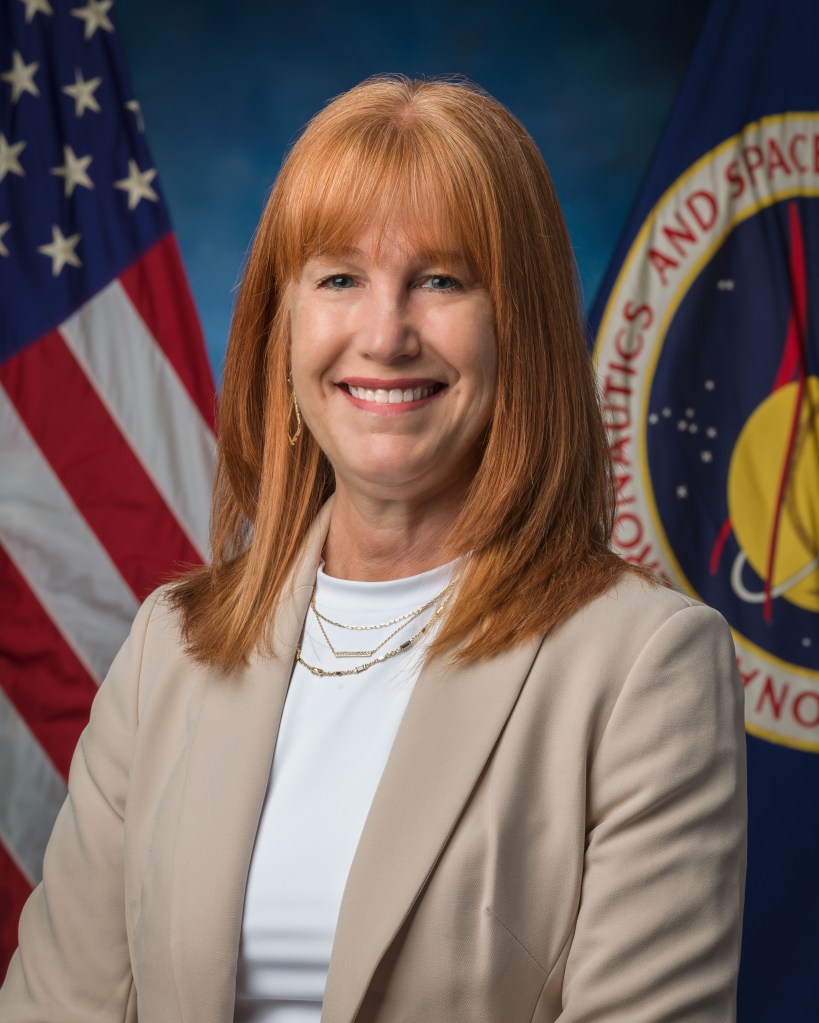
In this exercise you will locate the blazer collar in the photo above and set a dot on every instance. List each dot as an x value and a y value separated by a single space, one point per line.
230 751
449 729
450 726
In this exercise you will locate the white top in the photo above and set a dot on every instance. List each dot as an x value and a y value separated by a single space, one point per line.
334 740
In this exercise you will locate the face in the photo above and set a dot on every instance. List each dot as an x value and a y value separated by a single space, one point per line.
394 366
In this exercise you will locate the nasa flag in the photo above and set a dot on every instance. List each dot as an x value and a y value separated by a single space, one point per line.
707 350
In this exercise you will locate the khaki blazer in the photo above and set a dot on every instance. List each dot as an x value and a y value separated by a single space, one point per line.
559 833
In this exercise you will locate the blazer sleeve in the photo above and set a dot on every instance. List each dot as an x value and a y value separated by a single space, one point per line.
657 933
73 961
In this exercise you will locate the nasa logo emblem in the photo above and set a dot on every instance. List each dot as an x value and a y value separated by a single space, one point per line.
709 377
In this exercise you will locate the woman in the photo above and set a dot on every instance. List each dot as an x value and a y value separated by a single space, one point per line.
546 746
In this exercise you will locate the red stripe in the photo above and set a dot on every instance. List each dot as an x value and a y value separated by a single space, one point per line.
793 351
14 890
158 288
95 464
795 340
799 278
767 610
716 550
40 673
790 357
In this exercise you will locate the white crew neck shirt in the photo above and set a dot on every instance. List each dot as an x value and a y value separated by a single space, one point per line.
334 740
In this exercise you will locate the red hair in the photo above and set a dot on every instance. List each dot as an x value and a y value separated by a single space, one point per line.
453 166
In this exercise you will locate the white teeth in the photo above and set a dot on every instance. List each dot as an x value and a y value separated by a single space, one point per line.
394 396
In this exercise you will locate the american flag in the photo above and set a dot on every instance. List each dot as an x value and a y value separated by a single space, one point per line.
106 402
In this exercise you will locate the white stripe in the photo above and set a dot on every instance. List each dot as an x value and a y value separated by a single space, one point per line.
145 397
56 551
33 792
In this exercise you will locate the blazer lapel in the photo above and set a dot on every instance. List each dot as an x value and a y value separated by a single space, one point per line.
448 731
228 766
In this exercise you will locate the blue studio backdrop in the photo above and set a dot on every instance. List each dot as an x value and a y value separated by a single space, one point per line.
225 88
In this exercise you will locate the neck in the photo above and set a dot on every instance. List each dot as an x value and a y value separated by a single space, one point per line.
371 541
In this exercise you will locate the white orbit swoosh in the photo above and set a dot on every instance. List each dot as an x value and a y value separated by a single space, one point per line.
749 597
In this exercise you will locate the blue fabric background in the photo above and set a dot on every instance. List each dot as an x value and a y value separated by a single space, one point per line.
225 88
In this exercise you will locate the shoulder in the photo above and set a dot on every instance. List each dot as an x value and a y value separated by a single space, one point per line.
154 650
632 594
643 646
635 610
156 625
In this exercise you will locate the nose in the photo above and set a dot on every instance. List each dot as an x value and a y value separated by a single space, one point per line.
387 332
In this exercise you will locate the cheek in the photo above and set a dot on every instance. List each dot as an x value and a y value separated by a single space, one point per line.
487 369
302 329
485 361
311 345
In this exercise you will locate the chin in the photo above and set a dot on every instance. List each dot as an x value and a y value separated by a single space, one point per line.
389 463
389 479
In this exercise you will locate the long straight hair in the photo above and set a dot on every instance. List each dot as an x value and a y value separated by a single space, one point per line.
454 168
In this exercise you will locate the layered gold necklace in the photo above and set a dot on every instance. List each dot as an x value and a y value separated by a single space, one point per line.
402 621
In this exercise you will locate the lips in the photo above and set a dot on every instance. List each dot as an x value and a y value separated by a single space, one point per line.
391 392
393 396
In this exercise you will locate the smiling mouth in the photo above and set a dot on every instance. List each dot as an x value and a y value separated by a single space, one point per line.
392 395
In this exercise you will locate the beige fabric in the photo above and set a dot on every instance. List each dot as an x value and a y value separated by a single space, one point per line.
558 834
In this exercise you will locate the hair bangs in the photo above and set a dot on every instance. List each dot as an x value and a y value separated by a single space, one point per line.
397 174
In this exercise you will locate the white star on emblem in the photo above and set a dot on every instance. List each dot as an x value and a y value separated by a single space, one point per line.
706 456
74 170
136 109
690 413
35 7
3 228
82 93
137 185
692 428
806 641
682 491
666 413
711 432
653 418
95 15
21 77
682 424
60 250
9 164
709 385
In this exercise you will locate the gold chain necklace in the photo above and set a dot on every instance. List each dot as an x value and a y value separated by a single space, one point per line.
315 670
402 620
382 625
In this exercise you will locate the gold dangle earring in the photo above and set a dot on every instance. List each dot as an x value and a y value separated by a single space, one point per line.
294 407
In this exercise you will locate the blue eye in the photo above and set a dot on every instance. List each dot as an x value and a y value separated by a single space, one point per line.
440 282
338 282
